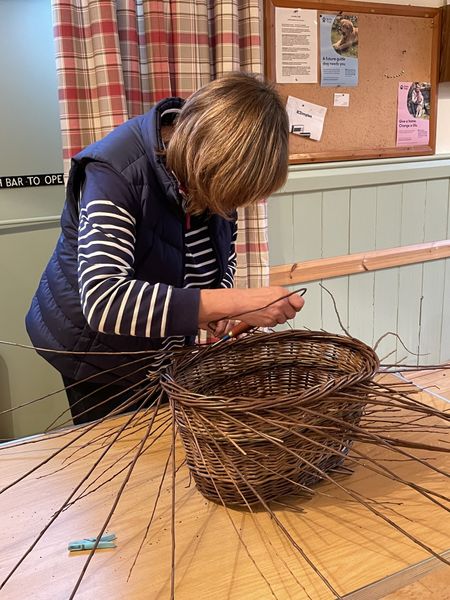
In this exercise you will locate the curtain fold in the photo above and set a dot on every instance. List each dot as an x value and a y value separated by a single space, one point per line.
116 58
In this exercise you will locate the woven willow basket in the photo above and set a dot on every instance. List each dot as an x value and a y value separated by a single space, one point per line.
262 417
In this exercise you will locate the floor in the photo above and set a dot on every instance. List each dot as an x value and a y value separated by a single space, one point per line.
436 585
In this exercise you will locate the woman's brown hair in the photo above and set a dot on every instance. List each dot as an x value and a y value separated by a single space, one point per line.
230 144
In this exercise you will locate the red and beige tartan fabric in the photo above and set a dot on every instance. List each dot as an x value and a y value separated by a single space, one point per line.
115 58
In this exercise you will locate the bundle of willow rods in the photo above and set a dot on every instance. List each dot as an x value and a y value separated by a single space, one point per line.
264 417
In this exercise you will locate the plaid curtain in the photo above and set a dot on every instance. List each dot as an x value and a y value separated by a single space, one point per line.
116 58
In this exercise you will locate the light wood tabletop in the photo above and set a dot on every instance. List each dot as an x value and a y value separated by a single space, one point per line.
221 554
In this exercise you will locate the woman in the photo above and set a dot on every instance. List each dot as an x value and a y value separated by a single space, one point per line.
146 254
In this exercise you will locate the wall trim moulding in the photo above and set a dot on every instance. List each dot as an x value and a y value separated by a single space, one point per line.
30 222
361 262
328 176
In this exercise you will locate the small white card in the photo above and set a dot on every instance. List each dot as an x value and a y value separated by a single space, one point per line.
342 100
305 118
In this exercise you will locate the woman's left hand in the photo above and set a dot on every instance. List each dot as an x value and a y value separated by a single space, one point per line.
220 328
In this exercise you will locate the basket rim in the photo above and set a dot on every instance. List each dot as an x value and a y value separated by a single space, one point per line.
239 402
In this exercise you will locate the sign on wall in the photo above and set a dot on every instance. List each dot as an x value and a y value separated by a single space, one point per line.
22 181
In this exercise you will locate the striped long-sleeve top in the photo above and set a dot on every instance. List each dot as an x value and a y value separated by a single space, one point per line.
113 301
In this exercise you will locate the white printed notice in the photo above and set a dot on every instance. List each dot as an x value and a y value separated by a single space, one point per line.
305 118
296 45
413 114
342 100
339 50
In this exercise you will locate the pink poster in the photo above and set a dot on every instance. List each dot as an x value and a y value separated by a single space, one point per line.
413 114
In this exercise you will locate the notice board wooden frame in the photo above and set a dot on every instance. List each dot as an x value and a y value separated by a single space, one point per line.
402 38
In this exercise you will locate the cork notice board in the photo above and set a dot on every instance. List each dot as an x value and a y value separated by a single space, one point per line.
396 43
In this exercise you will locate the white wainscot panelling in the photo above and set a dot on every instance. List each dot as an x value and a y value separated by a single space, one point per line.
328 210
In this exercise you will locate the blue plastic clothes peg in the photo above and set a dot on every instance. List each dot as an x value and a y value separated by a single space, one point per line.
106 541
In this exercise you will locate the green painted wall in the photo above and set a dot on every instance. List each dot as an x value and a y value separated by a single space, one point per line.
29 144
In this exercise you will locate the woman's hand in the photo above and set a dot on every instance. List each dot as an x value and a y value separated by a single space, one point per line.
279 308
259 307
220 328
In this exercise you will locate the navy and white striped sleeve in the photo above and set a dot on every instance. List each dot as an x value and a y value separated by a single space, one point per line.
112 300
228 278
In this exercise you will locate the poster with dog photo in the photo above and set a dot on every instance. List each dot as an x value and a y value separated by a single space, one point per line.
339 50
413 113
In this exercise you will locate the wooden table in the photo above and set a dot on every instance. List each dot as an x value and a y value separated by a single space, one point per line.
361 556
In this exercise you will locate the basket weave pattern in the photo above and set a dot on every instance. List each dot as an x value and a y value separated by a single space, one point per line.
252 414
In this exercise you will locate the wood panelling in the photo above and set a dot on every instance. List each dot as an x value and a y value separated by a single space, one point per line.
396 209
